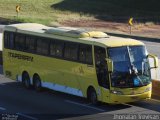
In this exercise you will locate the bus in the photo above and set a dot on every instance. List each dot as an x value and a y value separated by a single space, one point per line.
85 63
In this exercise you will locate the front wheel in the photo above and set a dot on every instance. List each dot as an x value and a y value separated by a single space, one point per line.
92 96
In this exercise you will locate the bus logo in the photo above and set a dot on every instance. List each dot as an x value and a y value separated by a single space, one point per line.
19 56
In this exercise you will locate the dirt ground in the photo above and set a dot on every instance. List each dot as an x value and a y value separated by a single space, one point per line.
148 29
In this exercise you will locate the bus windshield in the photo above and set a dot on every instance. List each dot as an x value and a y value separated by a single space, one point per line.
131 66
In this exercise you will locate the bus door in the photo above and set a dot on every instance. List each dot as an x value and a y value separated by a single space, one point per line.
101 72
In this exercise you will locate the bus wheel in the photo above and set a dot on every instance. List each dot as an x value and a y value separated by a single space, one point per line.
92 96
26 80
37 83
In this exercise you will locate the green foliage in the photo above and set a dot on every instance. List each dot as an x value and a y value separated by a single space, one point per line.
31 10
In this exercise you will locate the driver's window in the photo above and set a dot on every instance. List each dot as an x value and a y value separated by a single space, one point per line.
100 54
102 74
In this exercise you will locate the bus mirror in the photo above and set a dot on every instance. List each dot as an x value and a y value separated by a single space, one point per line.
109 65
153 60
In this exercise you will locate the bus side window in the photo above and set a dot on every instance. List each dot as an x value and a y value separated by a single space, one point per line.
11 40
8 39
59 49
82 53
42 46
52 48
30 44
20 42
56 48
70 51
85 54
100 54
39 46
89 55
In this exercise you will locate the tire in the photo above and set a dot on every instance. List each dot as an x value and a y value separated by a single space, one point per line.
26 81
37 84
92 96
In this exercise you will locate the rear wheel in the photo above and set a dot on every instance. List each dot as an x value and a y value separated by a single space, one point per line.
92 96
26 80
37 83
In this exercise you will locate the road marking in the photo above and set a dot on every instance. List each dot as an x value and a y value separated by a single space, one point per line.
84 105
128 104
1 108
26 116
2 84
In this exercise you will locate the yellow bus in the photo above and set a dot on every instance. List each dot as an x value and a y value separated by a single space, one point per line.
84 63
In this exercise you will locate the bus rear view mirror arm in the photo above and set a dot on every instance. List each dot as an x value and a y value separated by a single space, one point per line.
153 58
109 63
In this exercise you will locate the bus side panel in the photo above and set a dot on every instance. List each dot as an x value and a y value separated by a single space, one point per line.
70 77
57 74
10 64
87 77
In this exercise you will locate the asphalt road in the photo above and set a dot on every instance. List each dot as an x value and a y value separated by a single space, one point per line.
153 47
29 104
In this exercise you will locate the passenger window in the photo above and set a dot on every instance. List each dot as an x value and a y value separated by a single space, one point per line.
100 54
30 44
52 48
56 48
70 51
89 55
42 46
11 40
85 54
20 42
8 40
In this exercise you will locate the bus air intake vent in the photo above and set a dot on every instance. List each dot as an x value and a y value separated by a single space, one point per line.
76 33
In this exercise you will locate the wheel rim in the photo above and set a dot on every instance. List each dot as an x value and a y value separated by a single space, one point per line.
37 84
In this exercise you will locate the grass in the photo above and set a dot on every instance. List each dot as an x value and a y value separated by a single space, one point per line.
31 10
52 12
39 11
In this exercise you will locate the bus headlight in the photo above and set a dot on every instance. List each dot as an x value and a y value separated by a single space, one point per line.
147 89
116 92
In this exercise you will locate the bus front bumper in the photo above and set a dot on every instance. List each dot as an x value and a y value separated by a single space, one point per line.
117 99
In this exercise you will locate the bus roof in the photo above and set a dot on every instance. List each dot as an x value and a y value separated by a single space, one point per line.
80 34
